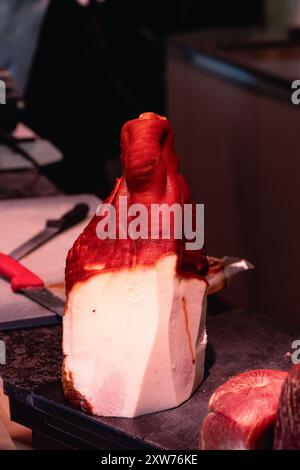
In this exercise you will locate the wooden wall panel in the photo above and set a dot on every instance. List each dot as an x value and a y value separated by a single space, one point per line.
215 130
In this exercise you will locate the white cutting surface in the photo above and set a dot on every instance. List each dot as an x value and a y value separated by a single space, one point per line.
20 219
42 151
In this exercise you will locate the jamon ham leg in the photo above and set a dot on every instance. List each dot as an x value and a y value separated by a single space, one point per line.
134 326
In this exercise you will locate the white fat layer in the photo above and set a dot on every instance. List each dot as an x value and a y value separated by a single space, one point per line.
135 339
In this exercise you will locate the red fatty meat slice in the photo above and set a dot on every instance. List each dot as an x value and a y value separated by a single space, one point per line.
243 412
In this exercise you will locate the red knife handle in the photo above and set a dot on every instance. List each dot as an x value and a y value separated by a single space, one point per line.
19 276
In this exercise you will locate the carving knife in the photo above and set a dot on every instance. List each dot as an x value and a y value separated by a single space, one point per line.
24 281
52 228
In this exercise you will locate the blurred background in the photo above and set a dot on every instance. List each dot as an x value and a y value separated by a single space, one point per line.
75 71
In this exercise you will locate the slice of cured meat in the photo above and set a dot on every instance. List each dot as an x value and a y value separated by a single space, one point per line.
287 429
243 412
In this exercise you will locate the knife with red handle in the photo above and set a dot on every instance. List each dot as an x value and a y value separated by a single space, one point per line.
24 281
52 228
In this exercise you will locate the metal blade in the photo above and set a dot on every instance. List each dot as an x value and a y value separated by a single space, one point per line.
45 298
34 243
233 266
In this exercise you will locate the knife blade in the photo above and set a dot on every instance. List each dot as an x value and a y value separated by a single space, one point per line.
24 281
53 227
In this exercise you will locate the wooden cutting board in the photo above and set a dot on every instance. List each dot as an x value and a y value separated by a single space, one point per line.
20 219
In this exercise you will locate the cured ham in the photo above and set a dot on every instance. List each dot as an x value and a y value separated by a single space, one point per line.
134 326
243 412
287 429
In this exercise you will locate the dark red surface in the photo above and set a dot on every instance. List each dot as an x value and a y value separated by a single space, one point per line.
287 430
150 175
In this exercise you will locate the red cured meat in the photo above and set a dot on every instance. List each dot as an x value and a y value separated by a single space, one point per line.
243 412
134 332
287 429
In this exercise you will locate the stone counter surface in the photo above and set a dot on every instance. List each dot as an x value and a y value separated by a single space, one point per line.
238 341
33 358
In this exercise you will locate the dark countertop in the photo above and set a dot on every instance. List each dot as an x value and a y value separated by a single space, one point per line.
262 60
237 341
